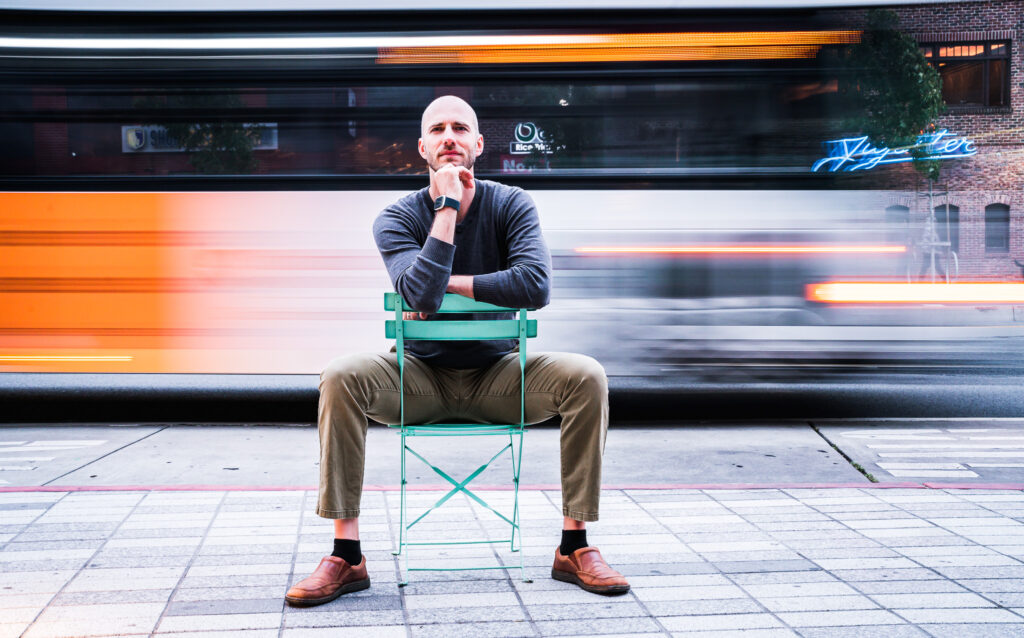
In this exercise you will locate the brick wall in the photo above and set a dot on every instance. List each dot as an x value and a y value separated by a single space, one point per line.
996 173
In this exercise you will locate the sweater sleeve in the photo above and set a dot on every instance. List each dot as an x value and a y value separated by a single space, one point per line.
526 283
419 273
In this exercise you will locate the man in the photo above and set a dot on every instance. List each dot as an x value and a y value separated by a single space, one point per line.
482 240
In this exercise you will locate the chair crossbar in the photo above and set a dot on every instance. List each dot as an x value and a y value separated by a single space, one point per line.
451 569
460 429
444 543
451 303
459 330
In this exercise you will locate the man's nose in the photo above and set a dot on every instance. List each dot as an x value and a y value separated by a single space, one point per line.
449 136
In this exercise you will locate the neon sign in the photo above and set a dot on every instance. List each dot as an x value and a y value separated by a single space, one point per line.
529 139
857 153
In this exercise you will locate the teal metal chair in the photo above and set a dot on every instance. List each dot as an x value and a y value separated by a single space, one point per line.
474 330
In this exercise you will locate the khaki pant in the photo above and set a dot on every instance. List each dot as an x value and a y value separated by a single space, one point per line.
366 385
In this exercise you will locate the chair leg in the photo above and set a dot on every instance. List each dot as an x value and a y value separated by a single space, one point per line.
517 460
403 536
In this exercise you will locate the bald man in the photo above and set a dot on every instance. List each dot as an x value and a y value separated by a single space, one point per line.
501 259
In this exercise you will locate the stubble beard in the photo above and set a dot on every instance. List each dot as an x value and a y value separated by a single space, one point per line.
467 162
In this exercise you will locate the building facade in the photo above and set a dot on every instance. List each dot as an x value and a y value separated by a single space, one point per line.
976 47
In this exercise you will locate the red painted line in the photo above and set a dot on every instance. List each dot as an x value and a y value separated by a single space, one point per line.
497 488
975 486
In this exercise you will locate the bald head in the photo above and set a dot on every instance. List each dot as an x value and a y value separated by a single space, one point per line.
447 107
450 133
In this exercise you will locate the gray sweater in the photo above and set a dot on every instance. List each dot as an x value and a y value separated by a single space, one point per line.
499 242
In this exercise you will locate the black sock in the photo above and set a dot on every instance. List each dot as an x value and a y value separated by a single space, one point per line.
348 550
572 539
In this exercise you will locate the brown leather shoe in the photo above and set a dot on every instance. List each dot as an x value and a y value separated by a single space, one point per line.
331 578
586 568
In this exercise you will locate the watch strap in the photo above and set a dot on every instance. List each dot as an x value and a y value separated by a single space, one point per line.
446 202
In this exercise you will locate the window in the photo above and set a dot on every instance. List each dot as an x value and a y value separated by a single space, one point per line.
973 74
897 219
950 233
997 228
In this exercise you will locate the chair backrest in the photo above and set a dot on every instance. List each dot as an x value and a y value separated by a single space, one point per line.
483 329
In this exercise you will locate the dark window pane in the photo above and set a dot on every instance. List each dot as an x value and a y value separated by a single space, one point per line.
952 232
997 228
927 51
591 125
997 82
962 82
998 49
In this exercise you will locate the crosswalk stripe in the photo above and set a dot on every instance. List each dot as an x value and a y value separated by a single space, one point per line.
933 473
921 466
977 455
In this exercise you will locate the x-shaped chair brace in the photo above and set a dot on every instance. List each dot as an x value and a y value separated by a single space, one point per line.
461 486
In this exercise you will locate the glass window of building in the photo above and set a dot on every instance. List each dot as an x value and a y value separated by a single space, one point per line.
973 74
947 218
997 228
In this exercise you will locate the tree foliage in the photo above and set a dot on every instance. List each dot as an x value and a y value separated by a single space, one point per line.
219 147
894 92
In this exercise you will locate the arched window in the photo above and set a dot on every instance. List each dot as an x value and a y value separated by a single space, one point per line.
997 228
953 230
896 219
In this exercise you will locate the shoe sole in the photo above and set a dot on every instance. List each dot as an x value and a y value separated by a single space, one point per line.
605 590
358 585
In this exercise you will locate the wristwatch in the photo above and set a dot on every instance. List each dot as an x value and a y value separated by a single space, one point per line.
446 202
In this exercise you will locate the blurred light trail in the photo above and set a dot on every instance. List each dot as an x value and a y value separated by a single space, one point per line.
460 43
64 358
890 292
738 250
628 47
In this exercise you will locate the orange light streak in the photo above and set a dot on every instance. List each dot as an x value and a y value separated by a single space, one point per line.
4 358
740 250
909 293
627 47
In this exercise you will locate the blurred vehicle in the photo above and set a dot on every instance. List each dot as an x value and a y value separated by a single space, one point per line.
193 192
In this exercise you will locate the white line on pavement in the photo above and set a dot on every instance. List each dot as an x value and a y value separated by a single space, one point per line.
933 473
921 466
979 455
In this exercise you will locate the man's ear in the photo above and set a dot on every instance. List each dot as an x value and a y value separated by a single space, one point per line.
479 145
421 148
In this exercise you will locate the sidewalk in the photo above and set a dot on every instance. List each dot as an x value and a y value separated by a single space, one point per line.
754 563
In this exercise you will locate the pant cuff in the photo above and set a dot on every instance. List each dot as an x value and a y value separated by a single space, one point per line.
325 513
579 516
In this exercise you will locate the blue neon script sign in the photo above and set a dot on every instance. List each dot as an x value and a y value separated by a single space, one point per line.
857 153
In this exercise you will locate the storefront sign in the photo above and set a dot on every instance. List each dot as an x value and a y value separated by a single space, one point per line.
156 139
857 153
529 139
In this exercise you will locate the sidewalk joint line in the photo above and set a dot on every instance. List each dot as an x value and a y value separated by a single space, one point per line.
129 444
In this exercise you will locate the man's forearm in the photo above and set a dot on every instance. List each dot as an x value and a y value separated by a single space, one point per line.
443 227
461 285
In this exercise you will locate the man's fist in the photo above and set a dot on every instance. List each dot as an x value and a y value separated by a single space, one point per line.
450 180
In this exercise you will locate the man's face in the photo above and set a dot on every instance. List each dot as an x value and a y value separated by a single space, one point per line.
449 135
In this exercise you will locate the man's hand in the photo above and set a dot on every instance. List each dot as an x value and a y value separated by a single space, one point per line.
450 180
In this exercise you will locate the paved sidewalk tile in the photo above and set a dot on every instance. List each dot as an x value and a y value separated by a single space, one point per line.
731 563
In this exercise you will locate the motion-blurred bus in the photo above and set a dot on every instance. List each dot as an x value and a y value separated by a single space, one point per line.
193 191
